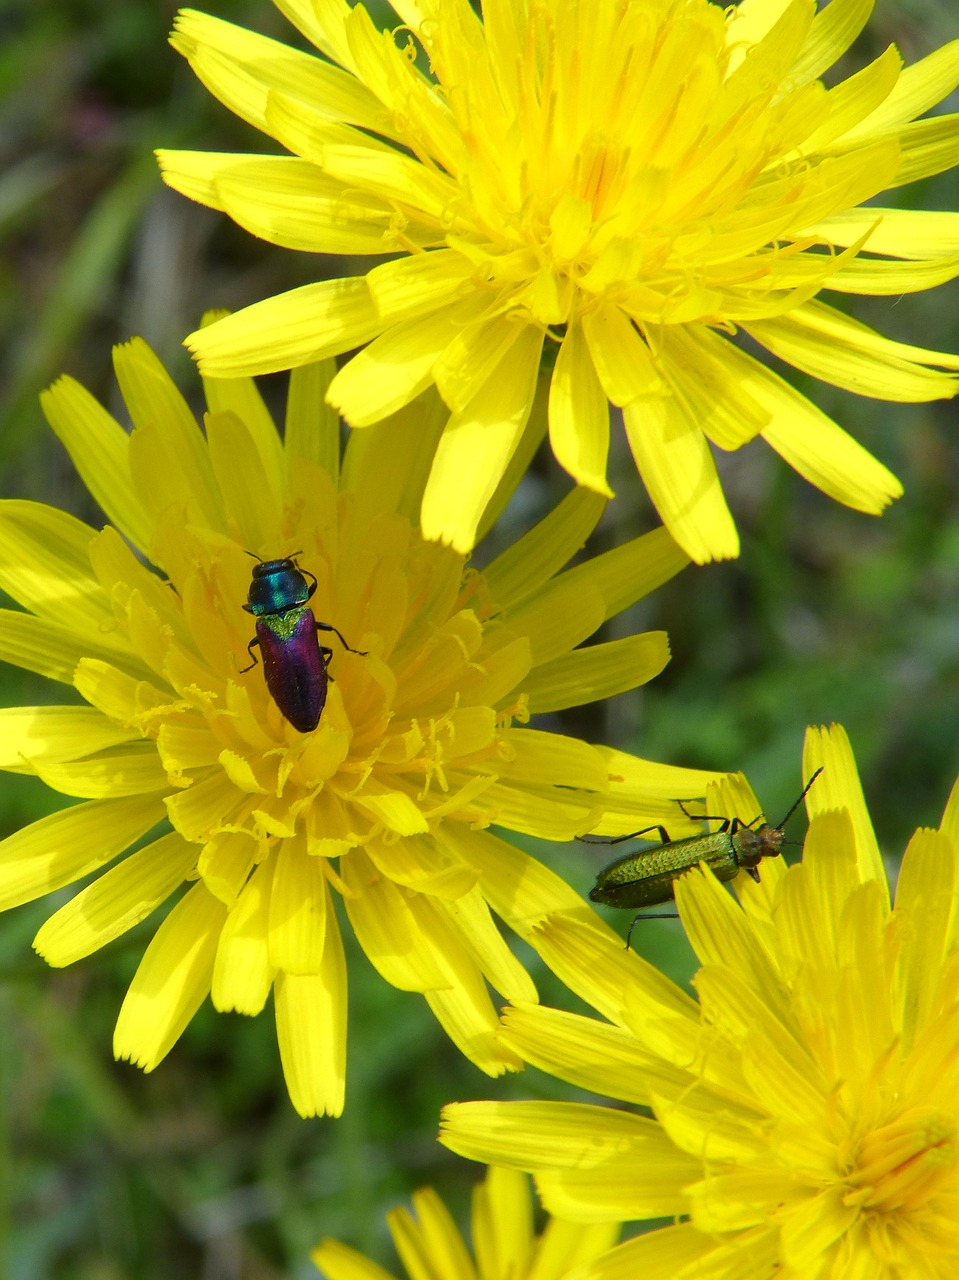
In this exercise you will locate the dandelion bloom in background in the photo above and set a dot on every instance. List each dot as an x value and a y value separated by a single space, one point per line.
622 187
806 1110
505 1246
420 747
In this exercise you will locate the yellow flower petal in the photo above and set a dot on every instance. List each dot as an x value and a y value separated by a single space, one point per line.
924 891
46 567
677 467
839 787
535 557
654 792
98 447
335 314
54 733
239 65
470 915
297 922
671 1253
311 430
311 1031
505 1243
129 770
503 1224
903 233
407 288
172 981
65 846
579 414
875 276
631 570
624 988
392 370
928 147
285 201
241 398
587 1053
558 617
382 916
623 362
242 973
236 462
468 1017
433 1244
424 864
40 645
339 1262
477 445
121 898
603 669
603 1159
822 452
151 396
828 345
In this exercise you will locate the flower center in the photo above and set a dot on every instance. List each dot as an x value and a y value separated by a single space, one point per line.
645 153
412 729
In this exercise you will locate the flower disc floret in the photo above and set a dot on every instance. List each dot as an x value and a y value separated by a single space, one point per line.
629 184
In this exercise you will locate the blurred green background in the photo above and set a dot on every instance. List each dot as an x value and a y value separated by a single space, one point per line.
202 1169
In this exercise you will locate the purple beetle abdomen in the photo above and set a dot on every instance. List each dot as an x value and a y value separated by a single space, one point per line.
294 665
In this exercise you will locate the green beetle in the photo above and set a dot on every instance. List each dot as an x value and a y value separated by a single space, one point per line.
649 876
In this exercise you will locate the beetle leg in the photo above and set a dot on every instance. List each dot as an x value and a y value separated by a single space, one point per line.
325 626
633 835
249 649
753 872
325 656
727 823
306 573
659 915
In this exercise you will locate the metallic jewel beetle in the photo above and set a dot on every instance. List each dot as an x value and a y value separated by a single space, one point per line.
294 662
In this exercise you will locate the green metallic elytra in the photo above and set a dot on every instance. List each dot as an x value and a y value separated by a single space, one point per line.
649 877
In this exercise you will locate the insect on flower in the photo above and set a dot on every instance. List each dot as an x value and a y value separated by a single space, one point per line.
295 664
649 877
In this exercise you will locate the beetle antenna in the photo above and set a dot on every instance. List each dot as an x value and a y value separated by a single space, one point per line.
260 560
801 798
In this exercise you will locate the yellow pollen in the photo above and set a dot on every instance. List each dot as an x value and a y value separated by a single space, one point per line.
900 1165
434 756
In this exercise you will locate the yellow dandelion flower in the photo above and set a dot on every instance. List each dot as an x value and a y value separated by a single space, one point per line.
807 1110
505 1246
629 184
421 745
